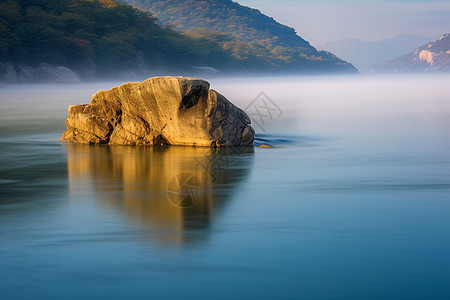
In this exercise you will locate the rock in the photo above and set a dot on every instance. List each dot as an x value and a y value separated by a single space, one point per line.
433 57
10 74
62 74
25 73
160 110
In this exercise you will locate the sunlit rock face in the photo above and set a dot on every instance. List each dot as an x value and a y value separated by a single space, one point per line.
433 57
160 110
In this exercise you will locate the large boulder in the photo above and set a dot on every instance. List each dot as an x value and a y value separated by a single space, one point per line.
160 110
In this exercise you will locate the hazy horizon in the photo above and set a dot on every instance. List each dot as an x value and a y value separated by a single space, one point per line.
325 21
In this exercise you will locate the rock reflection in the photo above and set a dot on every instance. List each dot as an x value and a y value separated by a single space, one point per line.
174 191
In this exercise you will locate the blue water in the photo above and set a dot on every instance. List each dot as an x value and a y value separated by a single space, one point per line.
351 202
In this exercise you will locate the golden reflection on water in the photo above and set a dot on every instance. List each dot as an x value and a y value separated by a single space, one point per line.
171 190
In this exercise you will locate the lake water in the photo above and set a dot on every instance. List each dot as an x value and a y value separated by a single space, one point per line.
352 202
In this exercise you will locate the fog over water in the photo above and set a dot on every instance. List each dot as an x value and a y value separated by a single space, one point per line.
351 202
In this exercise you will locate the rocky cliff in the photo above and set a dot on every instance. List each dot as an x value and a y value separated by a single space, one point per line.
160 110
432 57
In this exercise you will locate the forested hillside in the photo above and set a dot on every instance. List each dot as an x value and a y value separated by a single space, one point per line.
244 23
104 37
245 31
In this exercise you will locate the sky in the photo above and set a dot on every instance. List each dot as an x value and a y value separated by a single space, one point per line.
322 21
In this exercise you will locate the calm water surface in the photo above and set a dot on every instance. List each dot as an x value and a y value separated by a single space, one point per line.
352 203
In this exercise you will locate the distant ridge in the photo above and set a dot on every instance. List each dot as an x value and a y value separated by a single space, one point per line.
245 31
363 54
432 57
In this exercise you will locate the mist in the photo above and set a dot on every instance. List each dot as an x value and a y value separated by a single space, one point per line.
353 180
368 100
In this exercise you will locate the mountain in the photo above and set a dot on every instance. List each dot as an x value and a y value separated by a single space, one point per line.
363 54
244 23
69 40
244 31
95 38
432 57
